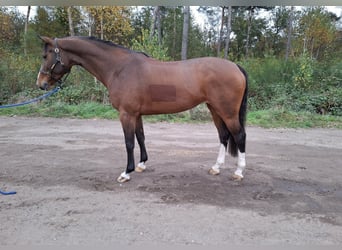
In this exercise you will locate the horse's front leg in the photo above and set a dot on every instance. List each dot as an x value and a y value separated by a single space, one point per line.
139 132
128 123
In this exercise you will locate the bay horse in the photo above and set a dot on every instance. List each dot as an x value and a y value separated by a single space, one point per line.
139 85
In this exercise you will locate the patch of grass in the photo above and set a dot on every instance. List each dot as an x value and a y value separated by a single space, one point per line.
289 119
263 118
85 110
59 110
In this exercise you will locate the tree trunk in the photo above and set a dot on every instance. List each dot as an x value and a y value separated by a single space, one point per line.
221 32
156 24
185 33
249 24
174 34
71 26
229 30
90 23
26 29
159 27
289 34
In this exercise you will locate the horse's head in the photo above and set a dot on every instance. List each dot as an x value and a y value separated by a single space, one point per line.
54 66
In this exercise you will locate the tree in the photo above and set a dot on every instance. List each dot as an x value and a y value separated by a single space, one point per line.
276 34
229 30
221 30
71 26
251 11
112 23
172 26
51 21
26 29
150 46
316 32
246 40
226 21
141 20
6 29
185 32
213 18
156 24
289 33
12 27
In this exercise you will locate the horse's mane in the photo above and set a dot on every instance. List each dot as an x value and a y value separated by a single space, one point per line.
110 43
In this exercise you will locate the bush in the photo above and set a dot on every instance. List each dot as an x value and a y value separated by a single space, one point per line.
303 75
151 46
200 113
297 85
17 73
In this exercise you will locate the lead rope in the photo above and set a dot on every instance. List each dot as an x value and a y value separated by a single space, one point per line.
7 193
46 95
55 90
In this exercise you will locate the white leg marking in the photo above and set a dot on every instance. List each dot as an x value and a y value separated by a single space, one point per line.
141 167
215 170
123 177
240 165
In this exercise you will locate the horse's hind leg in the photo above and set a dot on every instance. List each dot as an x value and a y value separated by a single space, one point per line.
238 133
139 132
224 136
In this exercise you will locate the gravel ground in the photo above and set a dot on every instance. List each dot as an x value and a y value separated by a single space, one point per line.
65 170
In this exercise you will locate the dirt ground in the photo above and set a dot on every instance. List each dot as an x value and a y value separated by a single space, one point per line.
65 170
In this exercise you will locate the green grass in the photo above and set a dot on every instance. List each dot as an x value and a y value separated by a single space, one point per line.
59 110
262 118
288 119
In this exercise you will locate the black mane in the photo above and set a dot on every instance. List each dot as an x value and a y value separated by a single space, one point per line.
109 43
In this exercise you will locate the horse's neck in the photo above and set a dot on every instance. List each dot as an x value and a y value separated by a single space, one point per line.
95 59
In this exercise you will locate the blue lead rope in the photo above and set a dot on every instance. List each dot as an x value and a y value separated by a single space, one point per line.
32 100
7 193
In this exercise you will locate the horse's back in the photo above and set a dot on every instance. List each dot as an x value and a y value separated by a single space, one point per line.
204 70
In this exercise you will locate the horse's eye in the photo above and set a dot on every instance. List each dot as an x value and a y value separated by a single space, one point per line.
44 56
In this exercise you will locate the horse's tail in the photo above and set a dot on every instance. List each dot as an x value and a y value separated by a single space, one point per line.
233 149
243 107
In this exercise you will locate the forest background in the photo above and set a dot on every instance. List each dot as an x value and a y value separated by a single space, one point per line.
293 55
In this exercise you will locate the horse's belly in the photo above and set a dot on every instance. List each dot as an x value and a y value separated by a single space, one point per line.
169 104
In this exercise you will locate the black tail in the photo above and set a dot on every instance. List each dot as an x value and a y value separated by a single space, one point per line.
243 108
233 149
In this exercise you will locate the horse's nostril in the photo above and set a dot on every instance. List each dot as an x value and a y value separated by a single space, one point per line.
44 86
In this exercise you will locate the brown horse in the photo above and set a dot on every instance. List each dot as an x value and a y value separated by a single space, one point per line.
139 85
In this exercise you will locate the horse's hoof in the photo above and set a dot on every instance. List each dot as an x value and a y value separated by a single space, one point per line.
123 178
213 171
141 167
236 177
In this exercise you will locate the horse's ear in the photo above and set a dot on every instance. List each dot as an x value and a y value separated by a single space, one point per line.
46 39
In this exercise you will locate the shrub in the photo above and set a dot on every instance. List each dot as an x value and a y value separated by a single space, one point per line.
151 46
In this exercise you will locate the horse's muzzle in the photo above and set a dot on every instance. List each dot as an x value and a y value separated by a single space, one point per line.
42 81
44 86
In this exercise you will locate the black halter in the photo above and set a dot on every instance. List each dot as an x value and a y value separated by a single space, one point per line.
58 60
